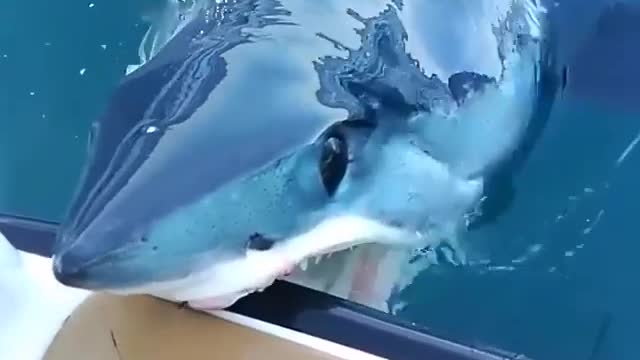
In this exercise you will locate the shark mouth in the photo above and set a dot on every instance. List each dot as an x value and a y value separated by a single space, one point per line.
221 285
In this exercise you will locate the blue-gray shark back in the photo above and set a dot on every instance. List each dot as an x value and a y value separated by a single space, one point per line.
265 133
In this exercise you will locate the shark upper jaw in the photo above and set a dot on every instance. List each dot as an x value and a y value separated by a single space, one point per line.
223 283
350 219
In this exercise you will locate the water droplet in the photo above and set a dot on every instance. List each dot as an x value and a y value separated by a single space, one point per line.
535 248
151 129
82 71
91 5
32 93
103 46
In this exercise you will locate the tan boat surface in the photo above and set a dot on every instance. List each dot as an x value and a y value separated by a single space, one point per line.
109 327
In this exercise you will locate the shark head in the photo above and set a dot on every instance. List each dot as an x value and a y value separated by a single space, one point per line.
253 142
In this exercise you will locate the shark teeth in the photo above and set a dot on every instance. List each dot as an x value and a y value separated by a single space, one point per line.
304 264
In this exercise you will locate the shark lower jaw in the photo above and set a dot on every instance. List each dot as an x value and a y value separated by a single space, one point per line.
222 284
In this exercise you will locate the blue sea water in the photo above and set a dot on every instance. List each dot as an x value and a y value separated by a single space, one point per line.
561 279
46 105
573 218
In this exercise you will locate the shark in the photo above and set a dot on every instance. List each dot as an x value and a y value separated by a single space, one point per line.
321 142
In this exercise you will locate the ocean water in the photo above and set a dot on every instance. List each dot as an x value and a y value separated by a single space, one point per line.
561 279
552 278
47 101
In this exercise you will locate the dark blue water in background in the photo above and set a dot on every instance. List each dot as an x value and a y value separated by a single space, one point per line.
577 298
574 213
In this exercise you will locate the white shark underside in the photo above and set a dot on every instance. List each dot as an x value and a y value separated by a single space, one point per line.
464 143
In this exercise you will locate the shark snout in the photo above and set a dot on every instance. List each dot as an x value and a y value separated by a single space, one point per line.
71 268
84 262
97 258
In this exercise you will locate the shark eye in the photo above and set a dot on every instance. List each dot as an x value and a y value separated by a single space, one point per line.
333 162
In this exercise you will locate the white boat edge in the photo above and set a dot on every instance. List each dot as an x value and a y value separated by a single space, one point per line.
322 345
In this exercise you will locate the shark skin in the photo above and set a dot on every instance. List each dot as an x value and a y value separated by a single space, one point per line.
321 142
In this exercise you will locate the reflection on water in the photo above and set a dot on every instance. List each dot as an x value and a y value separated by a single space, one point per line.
553 268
